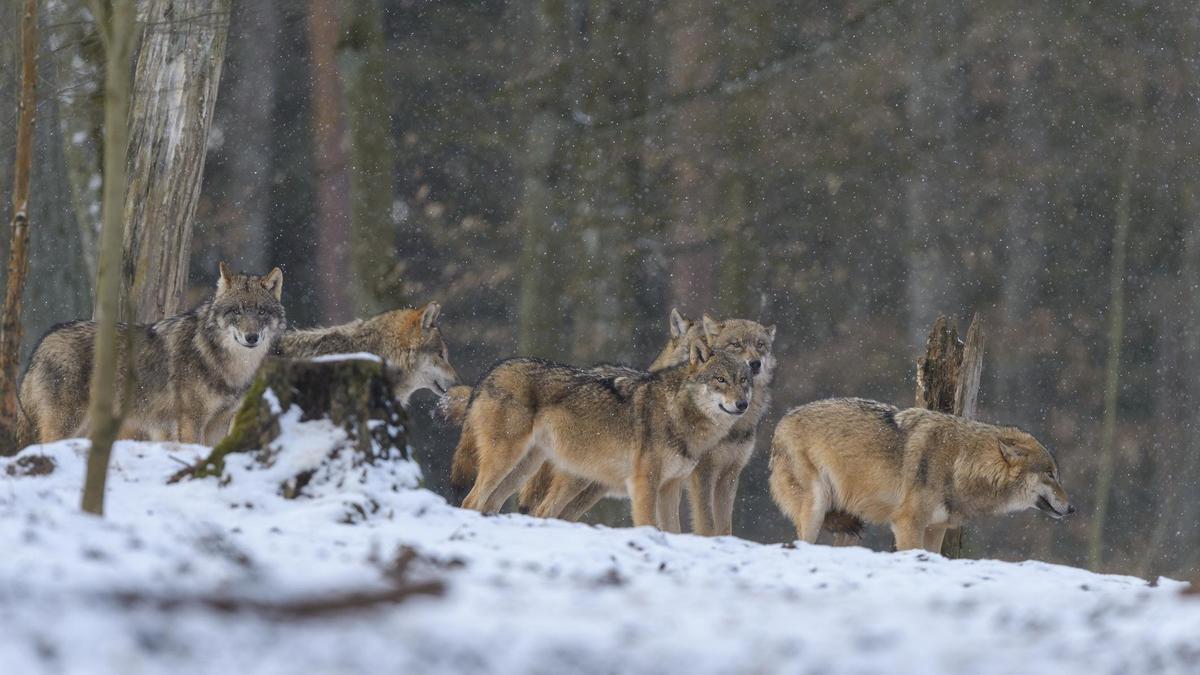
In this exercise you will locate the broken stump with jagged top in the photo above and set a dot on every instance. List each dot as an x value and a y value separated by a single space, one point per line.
324 423
948 377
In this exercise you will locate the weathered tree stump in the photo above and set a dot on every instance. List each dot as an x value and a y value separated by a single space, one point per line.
354 394
948 381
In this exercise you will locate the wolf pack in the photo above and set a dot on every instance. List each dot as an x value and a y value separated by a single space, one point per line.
560 437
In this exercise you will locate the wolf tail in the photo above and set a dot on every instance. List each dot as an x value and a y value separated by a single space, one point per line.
453 406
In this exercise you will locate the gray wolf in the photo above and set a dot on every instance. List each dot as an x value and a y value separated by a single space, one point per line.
408 340
177 379
917 470
712 486
642 433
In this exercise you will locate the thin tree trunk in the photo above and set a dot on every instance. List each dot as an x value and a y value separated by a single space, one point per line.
333 181
540 325
18 259
62 280
1112 370
116 27
373 240
175 89
247 102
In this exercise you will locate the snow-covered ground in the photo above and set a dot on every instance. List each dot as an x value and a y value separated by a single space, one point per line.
182 579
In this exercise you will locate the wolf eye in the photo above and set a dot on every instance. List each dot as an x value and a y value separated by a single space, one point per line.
719 379
762 344
736 344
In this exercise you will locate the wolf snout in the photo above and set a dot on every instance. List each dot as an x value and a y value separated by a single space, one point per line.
251 339
755 367
1070 509
742 404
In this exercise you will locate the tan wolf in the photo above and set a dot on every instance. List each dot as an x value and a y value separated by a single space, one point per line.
177 379
712 486
643 432
408 340
919 471
683 334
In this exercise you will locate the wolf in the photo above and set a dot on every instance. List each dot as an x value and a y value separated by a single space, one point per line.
408 340
918 470
643 432
178 379
712 486
453 408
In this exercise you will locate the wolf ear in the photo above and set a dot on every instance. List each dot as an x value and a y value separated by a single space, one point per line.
1011 453
430 314
711 328
679 325
771 333
273 282
698 353
225 277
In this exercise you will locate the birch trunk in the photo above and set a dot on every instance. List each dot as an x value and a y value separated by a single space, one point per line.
175 89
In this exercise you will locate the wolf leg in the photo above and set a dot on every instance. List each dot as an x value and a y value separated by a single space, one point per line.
812 511
498 457
793 497
583 502
701 486
668 505
909 533
724 495
526 467
647 477
563 489
934 534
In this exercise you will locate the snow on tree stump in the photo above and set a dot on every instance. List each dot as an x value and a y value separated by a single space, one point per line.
948 381
329 421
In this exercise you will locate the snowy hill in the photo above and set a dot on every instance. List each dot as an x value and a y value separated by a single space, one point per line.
204 577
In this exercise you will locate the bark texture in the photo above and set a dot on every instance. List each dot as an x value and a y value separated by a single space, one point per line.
116 29
948 381
333 181
18 257
354 394
175 89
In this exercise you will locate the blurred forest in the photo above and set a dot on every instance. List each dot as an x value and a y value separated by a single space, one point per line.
561 173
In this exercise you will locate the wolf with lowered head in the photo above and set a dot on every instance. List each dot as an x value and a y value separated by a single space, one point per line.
408 340
178 379
638 431
917 470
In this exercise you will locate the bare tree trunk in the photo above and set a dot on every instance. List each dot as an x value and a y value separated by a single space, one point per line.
1112 370
57 264
948 377
333 181
18 259
175 89
247 102
540 324
116 27
373 242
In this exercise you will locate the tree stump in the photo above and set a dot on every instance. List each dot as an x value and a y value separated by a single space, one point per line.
948 381
354 394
